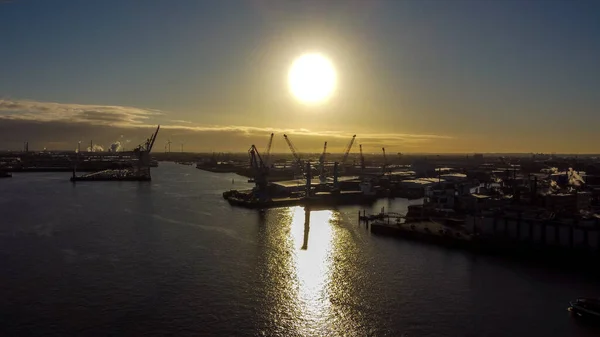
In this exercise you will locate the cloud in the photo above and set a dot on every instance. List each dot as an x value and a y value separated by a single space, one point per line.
250 130
75 113
49 122
180 121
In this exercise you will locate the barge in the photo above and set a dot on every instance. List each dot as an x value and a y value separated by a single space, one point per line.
433 232
112 175
320 199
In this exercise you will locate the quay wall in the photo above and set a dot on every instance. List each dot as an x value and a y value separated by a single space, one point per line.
583 235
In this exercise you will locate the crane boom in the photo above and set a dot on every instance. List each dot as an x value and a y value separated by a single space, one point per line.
256 160
153 139
268 150
294 152
347 151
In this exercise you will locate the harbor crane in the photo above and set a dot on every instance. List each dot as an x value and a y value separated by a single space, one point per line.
297 158
268 151
142 151
149 144
322 175
260 172
347 151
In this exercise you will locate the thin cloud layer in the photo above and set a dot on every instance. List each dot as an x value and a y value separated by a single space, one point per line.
250 130
75 113
49 122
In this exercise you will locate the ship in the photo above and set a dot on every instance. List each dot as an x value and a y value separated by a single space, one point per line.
586 307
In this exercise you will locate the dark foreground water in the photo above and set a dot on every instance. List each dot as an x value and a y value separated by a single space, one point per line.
172 257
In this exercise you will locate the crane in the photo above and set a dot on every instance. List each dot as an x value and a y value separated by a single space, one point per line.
347 151
268 151
260 171
142 151
297 157
149 144
153 139
322 176
384 160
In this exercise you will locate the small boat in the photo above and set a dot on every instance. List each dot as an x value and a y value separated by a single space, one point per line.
588 307
5 174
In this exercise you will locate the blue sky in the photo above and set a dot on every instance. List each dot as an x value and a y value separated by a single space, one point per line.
415 76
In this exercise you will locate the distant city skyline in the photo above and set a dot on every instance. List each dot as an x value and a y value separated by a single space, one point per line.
412 76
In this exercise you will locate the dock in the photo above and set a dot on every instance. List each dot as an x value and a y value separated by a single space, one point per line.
433 232
448 233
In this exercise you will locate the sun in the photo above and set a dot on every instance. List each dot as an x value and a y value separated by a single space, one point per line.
312 78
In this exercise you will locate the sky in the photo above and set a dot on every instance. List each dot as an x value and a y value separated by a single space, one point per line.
412 76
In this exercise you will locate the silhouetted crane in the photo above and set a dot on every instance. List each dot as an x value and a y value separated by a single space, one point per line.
260 172
268 151
347 151
297 157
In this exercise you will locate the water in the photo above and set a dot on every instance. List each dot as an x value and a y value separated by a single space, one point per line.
172 257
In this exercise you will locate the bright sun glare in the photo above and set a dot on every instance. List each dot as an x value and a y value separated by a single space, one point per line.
312 78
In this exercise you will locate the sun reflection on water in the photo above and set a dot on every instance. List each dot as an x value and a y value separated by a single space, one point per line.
312 237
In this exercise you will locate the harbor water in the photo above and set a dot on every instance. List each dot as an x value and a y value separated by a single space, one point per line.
172 257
